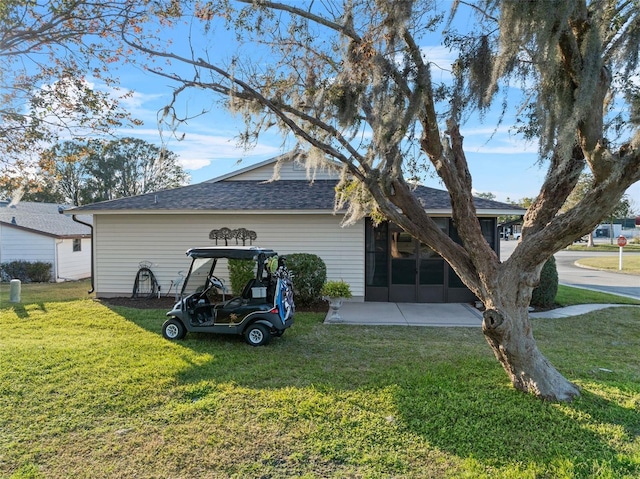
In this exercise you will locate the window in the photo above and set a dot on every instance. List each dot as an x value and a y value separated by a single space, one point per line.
77 245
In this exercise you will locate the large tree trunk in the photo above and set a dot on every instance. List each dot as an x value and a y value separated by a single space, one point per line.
508 332
504 288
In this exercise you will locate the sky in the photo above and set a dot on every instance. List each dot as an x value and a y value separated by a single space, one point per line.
499 162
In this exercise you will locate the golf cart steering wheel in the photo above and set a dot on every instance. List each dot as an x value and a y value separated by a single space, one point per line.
217 283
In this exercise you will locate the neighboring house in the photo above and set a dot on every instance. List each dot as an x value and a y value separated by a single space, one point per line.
37 232
290 215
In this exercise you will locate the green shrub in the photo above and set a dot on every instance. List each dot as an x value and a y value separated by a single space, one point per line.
309 275
27 272
336 289
241 271
544 295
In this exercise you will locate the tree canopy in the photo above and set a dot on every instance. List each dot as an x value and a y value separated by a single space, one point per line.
52 54
87 172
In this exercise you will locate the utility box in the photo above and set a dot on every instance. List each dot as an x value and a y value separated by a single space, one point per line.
14 290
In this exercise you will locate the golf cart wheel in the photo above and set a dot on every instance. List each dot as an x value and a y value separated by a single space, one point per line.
173 329
257 335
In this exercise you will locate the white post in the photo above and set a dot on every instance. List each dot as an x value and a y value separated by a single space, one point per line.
622 242
620 259
14 291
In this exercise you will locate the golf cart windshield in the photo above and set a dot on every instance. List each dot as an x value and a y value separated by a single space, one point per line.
197 278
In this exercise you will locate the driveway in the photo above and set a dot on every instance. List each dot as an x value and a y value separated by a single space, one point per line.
572 275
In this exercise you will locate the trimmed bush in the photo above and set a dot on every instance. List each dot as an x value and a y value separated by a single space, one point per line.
27 272
241 271
309 275
336 289
544 295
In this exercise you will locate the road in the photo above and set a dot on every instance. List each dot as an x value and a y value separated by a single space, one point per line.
571 275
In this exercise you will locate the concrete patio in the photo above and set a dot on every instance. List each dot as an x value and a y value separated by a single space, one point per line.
434 314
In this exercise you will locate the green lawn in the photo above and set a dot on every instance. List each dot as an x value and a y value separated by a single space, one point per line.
568 296
632 247
630 263
92 392
47 292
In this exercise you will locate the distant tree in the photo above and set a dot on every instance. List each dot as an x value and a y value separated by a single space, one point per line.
487 196
67 167
43 190
95 171
623 209
351 81
524 202
35 188
139 167
48 51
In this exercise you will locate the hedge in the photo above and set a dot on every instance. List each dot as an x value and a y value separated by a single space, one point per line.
25 271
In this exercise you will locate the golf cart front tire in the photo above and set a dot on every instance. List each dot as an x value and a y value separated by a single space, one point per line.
173 329
257 335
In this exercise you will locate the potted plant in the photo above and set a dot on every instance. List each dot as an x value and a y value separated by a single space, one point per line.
335 292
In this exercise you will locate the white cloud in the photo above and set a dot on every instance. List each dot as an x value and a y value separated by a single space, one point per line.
200 150
510 148
440 58
135 102
491 140
194 164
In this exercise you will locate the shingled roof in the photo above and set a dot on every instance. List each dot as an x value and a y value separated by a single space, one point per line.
43 218
285 195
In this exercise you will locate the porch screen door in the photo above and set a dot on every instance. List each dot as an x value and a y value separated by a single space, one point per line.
403 267
417 272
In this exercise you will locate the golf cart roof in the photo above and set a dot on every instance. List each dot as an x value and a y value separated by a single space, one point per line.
233 252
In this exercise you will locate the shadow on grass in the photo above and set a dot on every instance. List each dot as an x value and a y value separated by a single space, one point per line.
21 309
457 401
499 426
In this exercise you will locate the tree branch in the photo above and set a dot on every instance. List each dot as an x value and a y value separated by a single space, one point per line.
562 177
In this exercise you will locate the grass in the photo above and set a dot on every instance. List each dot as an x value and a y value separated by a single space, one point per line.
630 263
46 292
633 246
568 296
88 391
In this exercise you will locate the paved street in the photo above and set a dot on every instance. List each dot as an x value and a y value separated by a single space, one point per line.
571 275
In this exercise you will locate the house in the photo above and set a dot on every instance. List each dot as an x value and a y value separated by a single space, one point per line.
37 232
290 215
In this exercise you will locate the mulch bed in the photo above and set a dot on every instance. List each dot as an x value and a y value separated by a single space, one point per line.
163 302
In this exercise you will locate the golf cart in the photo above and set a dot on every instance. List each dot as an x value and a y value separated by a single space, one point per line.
264 309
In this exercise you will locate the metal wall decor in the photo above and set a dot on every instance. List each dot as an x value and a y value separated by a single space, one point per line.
226 234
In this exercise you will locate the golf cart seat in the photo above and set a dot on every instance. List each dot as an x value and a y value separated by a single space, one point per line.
254 289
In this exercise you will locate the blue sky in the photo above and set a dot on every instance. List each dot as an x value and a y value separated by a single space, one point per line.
499 163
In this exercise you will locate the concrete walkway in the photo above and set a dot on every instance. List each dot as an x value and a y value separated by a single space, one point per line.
434 314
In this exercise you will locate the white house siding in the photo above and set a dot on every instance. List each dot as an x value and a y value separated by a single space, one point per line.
20 245
289 171
124 241
73 265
